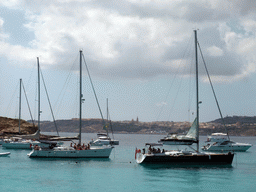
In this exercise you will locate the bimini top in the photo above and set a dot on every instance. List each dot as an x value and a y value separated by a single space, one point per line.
154 144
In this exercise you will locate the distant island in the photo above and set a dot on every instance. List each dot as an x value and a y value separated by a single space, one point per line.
236 125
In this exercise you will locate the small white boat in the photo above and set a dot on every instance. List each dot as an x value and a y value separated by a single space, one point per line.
103 139
5 154
221 142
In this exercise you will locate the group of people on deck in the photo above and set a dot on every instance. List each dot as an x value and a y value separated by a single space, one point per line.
80 147
153 150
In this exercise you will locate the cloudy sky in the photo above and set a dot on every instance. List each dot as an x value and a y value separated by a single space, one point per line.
140 54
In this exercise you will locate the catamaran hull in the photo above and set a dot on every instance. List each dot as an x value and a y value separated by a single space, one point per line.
205 159
91 153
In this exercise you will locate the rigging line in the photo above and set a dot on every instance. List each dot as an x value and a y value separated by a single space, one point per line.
28 105
49 101
94 90
11 101
180 83
190 88
110 123
30 76
65 85
174 79
213 90
175 99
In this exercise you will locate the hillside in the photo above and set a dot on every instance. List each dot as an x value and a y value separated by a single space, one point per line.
9 126
236 119
237 126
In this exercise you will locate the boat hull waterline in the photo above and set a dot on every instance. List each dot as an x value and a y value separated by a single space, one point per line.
199 158
175 142
239 148
5 154
60 152
23 145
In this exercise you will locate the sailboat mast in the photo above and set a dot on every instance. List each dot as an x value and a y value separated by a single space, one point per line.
20 106
107 118
38 73
197 92
80 99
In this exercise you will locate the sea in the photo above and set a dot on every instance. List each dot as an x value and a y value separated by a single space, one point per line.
121 173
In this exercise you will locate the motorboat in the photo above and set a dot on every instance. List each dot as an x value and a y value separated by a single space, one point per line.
103 139
221 142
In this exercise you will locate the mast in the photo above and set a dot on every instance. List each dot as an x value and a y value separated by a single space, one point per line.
20 106
107 118
107 109
80 99
38 71
197 93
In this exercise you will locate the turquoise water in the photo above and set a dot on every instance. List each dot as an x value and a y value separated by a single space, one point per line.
121 173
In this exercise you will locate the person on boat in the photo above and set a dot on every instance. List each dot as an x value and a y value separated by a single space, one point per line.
70 144
36 147
88 146
158 150
79 147
75 146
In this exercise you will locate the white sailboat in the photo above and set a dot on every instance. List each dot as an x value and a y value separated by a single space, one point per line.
151 155
79 151
23 141
188 139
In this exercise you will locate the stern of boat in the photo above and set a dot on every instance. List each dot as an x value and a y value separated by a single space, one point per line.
139 157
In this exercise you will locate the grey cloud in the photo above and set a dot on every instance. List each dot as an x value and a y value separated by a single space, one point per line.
135 59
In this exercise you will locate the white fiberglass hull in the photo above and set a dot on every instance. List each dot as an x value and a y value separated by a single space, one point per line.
5 154
23 145
69 152
100 142
234 147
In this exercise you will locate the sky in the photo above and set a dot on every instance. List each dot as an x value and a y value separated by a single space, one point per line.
140 55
